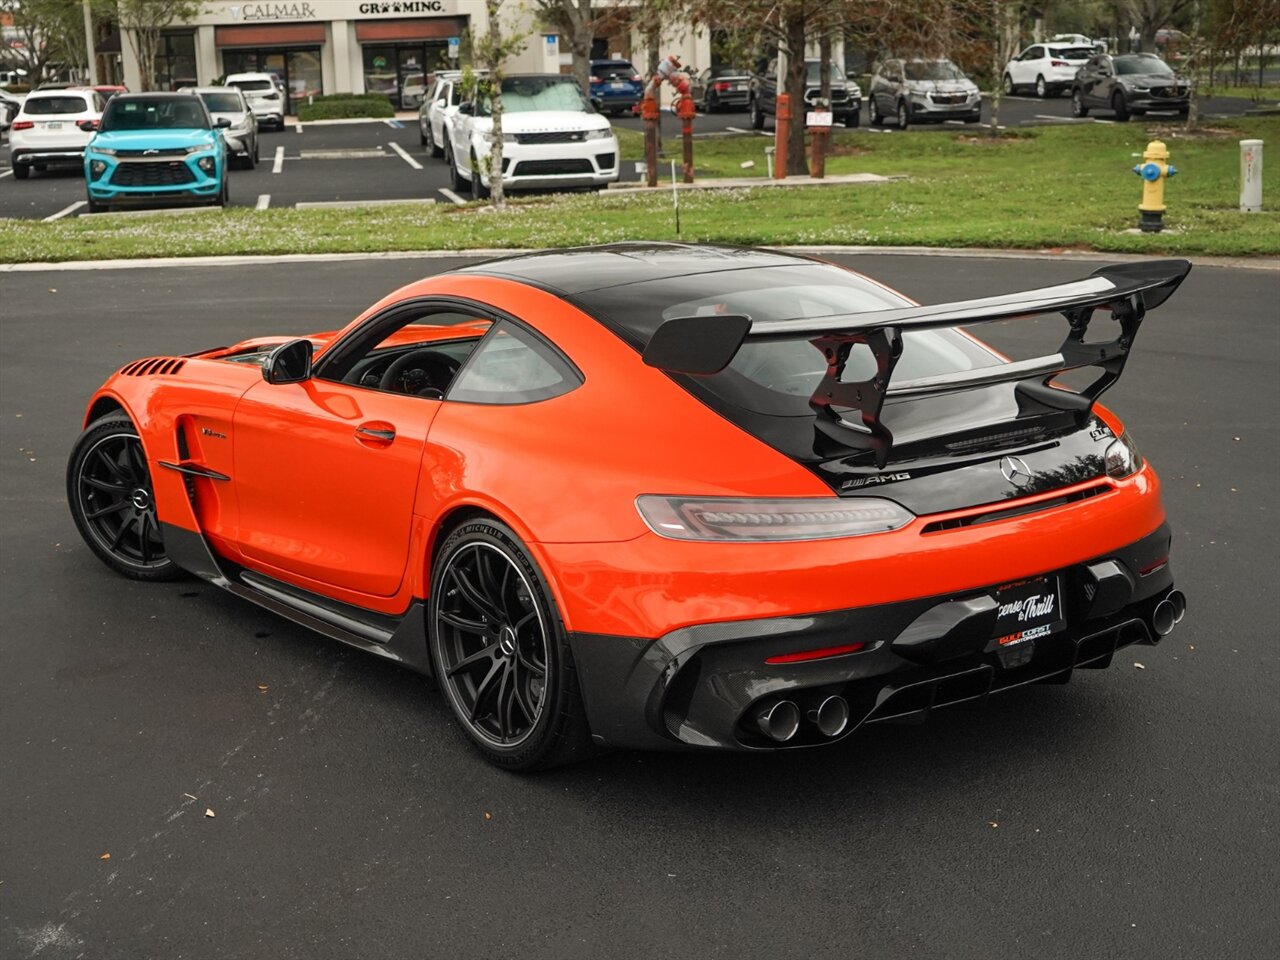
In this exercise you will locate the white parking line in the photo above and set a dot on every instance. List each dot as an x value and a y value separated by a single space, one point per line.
7 173
65 210
739 130
264 201
297 128
279 164
404 155
453 197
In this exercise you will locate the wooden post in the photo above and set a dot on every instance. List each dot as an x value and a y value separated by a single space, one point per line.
782 127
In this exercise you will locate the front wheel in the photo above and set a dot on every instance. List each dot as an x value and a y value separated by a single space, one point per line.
904 115
457 181
478 190
96 207
1009 88
113 503
224 195
852 119
756 115
1119 107
1078 109
873 113
500 652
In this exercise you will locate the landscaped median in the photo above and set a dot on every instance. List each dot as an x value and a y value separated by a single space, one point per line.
1056 187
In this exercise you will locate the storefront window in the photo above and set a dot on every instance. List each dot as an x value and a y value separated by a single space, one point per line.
176 61
298 69
400 71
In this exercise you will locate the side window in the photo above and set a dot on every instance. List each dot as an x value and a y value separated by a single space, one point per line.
513 366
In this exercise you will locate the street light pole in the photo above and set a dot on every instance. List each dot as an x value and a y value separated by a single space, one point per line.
90 53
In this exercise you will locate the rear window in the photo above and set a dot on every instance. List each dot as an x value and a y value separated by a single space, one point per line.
222 102
252 84
50 106
1071 53
614 70
779 376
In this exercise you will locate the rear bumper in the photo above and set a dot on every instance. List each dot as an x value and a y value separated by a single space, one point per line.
702 685
52 156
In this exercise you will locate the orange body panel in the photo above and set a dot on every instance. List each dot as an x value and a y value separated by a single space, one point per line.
313 504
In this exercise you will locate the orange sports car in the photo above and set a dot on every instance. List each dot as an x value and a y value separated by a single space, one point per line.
651 495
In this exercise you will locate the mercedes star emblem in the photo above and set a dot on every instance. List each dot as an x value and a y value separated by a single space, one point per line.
1015 470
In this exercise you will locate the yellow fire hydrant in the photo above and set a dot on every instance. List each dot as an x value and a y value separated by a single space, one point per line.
1154 170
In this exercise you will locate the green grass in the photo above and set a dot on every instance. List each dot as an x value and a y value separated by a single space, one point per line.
1055 187
1268 93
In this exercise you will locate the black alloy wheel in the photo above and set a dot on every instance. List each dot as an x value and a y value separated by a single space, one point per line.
113 503
1078 109
500 653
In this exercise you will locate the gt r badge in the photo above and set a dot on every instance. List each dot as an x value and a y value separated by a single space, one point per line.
1015 470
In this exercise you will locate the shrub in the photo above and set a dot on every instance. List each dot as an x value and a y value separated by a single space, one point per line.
345 108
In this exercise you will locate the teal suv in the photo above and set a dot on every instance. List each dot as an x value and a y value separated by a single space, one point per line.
156 149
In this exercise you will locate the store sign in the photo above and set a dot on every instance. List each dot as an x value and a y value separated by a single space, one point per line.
253 12
294 11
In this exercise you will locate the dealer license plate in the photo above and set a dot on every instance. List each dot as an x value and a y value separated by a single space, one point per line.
1028 610
53 125
618 85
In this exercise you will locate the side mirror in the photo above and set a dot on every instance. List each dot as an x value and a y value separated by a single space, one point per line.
288 363
222 122
467 109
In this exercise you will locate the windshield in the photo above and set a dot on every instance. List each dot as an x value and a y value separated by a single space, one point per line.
43 106
1146 66
178 113
778 377
813 73
531 94
1071 53
252 84
933 70
222 102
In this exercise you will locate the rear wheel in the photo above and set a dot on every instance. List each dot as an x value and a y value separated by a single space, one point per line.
1042 89
113 502
500 652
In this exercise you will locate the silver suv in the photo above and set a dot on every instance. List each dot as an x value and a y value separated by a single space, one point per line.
903 92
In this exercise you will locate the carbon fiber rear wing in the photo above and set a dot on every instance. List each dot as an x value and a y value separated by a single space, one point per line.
706 345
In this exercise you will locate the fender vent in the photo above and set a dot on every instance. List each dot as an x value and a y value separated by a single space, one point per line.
153 366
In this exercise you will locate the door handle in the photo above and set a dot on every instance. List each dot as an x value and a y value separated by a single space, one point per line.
377 434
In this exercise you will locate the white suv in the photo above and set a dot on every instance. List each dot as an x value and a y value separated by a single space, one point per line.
52 128
1049 68
266 98
551 137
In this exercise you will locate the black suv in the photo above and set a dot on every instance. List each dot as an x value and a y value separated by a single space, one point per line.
1130 84
846 95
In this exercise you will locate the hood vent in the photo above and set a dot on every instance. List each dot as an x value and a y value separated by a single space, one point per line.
153 366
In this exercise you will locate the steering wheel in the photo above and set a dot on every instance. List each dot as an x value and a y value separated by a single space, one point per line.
437 370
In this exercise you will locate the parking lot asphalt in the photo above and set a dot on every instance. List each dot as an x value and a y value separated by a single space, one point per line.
375 161
1129 814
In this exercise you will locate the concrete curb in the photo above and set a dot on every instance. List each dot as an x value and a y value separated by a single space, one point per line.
1082 256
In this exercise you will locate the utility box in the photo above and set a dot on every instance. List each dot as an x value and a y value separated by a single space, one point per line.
1250 176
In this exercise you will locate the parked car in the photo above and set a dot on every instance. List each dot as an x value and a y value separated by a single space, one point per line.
552 138
846 95
616 86
10 104
268 101
157 148
1130 84
1048 68
438 108
51 129
701 575
915 91
413 87
724 87
241 135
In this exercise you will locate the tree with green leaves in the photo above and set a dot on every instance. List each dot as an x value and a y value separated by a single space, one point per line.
492 50
50 32
143 22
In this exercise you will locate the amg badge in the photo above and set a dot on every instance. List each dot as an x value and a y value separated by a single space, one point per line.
857 482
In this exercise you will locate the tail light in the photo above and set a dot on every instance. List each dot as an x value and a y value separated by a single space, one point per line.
637 79
764 520
596 80
722 87
24 124
1059 63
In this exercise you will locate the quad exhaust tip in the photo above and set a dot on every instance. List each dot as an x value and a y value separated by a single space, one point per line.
1169 613
780 721
831 716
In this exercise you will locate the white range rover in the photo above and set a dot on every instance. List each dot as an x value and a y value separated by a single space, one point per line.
551 138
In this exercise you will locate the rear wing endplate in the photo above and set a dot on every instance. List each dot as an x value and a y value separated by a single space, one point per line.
705 345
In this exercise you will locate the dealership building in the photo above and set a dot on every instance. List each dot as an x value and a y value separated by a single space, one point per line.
354 46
